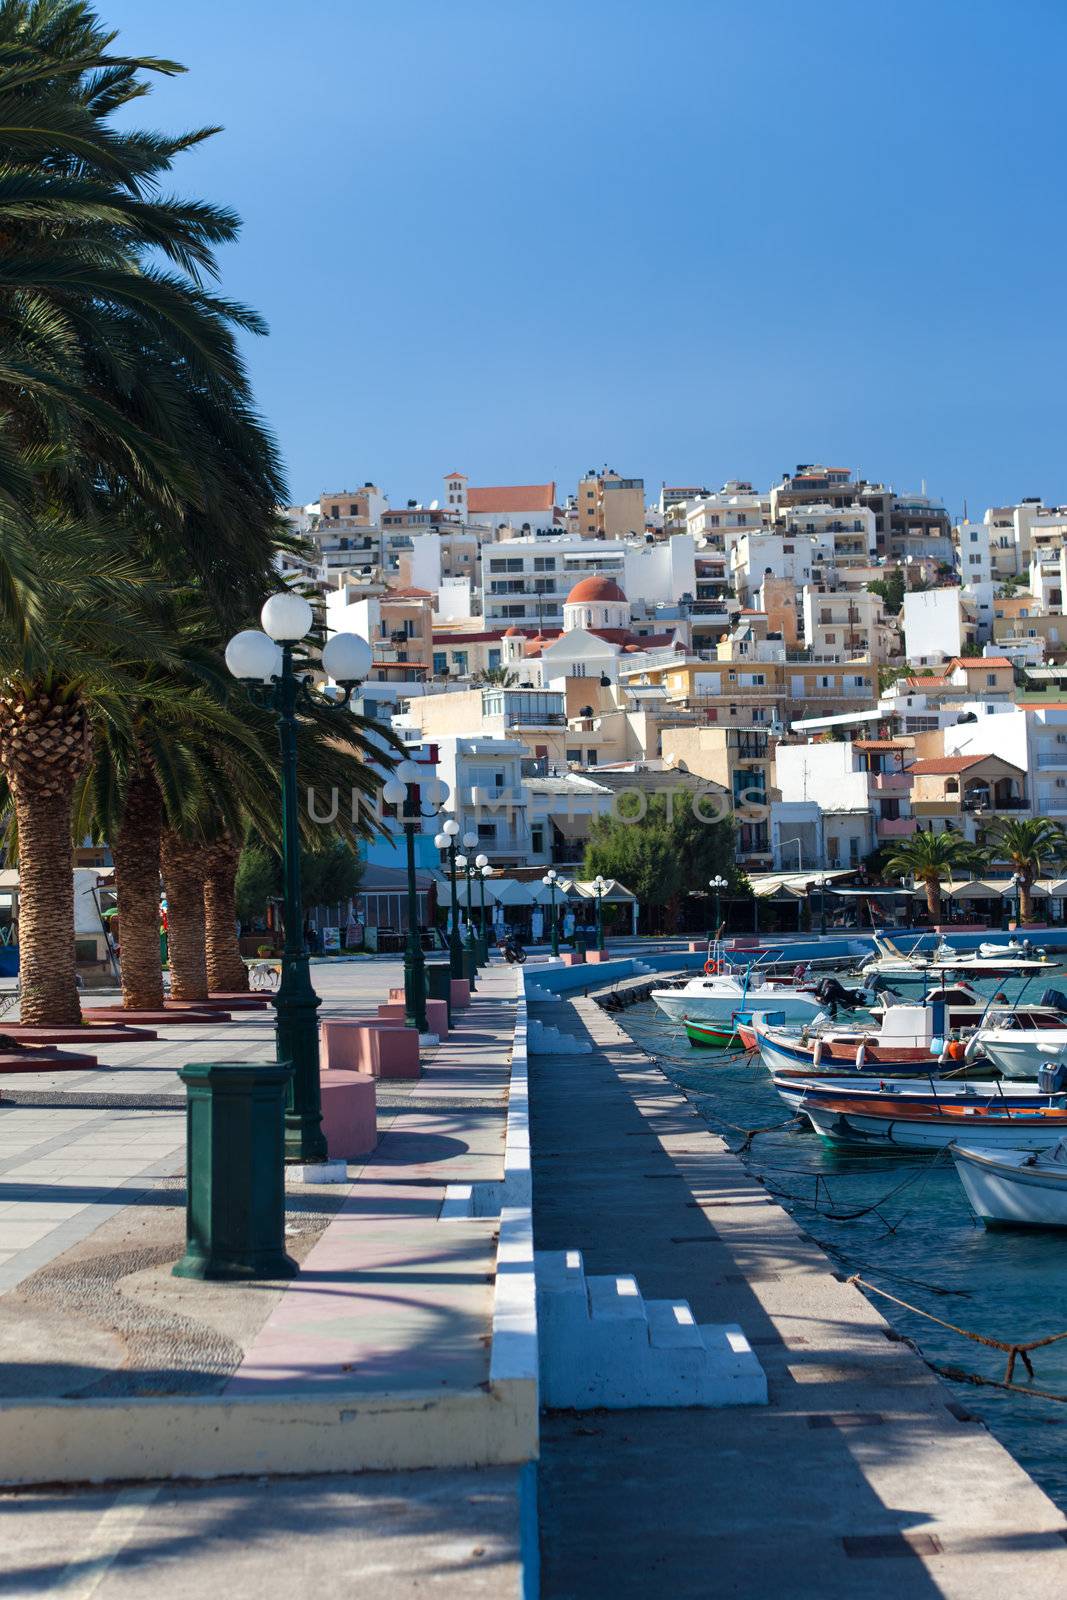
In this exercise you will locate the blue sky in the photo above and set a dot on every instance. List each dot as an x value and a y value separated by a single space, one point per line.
694 239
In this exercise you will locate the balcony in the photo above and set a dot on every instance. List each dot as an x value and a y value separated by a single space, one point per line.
500 797
891 782
895 827
1052 759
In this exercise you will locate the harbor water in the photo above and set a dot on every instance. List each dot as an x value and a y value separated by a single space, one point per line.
903 1222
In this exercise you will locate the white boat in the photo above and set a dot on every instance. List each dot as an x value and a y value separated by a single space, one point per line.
720 996
1022 1052
1024 1187
800 1092
990 960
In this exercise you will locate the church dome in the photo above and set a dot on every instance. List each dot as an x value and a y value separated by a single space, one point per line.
595 591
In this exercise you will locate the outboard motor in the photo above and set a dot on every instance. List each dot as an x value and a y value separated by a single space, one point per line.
1053 1000
1052 1079
832 994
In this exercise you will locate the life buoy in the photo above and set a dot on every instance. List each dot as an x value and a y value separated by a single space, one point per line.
711 968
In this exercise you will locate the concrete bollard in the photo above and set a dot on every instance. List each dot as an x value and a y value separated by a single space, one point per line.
349 1113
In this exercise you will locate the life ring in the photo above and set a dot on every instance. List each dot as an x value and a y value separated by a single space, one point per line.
711 968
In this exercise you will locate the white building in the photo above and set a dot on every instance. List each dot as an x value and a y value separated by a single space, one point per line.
935 626
527 581
840 625
487 797
847 535
759 553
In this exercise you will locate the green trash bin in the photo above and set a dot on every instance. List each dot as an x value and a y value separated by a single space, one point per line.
439 984
579 942
235 1170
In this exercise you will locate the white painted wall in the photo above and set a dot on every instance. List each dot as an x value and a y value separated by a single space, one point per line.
821 772
933 626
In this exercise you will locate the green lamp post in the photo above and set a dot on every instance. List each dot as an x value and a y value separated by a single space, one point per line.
549 881
717 885
446 840
599 889
484 871
470 954
278 680
474 944
411 784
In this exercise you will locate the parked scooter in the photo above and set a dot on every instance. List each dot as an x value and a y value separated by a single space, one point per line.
511 949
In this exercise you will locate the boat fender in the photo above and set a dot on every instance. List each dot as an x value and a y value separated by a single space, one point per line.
943 1053
861 1055
957 1050
972 1047
816 1054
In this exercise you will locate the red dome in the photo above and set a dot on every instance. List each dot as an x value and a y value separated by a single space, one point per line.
513 633
595 591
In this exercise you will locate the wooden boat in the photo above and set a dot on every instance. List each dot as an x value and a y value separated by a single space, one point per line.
712 1035
800 1091
1015 1188
861 1120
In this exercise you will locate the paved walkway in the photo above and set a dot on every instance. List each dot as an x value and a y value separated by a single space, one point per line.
863 1477
389 1297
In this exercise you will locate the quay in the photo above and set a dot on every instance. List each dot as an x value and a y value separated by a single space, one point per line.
378 1416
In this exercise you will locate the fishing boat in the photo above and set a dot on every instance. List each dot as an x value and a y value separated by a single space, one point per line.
713 1035
799 1092
872 1120
908 1040
1021 1188
1021 1052
990 960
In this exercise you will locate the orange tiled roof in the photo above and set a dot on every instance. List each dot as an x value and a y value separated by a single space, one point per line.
513 497
978 661
944 766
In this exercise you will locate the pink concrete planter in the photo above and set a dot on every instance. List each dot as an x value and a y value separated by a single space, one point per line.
395 995
437 1017
461 993
384 1049
598 955
393 1012
349 1114
572 958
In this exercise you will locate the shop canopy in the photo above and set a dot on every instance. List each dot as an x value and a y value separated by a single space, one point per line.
765 884
615 894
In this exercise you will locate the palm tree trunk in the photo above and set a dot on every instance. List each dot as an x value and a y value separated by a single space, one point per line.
226 971
135 851
184 879
933 899
1026 899
47 965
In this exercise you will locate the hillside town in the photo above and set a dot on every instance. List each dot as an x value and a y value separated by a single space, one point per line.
832 663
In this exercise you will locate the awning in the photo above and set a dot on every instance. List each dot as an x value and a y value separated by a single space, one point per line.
765 884
616 893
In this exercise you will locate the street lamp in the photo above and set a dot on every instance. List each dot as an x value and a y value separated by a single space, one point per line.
446 840
549 881
717 885
410 784
599 889
484 871
464 865
1016 886
470 843
264 662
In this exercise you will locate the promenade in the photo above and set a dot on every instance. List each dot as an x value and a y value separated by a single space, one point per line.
394 1300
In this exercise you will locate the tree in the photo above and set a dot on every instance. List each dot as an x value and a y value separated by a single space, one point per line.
890 589
1026 843
930 857
496 678
663 853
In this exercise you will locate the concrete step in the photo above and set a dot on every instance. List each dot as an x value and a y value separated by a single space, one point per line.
672 1325
615 1299
603 1344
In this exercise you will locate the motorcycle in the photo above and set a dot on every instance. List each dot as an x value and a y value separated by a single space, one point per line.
512 951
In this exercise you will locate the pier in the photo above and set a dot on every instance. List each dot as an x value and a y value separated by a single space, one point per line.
863 1476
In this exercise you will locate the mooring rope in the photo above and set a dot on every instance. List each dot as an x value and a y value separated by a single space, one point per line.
1015 1349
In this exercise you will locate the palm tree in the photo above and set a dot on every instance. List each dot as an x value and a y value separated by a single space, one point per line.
929 858
1026 843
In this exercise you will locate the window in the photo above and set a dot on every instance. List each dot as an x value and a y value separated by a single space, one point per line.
831 638
440 662
590 758
991 680
974 538
537 840
575 756
544 563
335 511
353 511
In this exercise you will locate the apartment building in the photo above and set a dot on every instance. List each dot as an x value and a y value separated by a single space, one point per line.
719 518
966 792
764 553
528 580
844 539
610 507
840 625
398 625
360 507
757 693
487 797
864 786
741 761
812 484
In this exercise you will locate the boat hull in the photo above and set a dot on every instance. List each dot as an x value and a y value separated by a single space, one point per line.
681 1005
1004 1192
855 1125
712 1035
1022 1053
